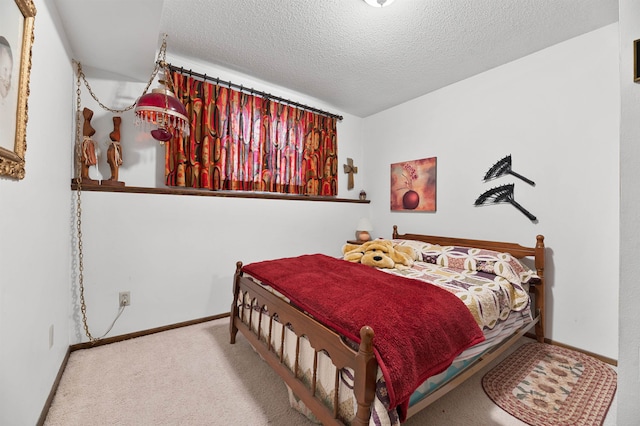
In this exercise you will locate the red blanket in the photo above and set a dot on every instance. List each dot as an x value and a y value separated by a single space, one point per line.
419 328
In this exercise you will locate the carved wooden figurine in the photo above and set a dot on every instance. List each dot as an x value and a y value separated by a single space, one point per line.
114 154
88 148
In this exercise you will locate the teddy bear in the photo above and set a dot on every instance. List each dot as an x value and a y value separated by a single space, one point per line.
380 253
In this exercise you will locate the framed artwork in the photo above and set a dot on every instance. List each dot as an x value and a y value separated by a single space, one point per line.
16 39
413 185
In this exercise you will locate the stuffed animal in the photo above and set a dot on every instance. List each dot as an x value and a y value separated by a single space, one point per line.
380 253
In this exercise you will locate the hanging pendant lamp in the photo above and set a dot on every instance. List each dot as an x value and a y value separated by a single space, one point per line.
160 112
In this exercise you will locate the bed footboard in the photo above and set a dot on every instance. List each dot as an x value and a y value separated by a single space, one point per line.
251 302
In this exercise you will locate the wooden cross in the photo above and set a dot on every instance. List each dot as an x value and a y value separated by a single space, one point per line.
350 169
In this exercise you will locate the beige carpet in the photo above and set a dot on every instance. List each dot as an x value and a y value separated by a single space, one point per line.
193 376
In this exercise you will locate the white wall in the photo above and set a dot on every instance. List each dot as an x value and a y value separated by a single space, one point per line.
629 361
35 218
177 254
557 113
562 101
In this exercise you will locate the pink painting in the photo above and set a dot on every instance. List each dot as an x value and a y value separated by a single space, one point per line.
413 185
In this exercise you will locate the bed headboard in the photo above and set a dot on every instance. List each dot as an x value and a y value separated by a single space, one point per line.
514 249
536 252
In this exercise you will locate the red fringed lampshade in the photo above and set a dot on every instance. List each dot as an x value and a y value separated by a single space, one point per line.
162 113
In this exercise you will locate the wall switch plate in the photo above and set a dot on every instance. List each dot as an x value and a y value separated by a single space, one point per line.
50 336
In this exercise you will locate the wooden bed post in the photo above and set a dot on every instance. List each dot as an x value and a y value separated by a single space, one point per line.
233 330
364 386
539 288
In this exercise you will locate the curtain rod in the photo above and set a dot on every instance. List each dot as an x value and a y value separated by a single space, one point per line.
265 95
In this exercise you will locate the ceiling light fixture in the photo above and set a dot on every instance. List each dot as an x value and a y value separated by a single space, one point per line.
160 110
379 3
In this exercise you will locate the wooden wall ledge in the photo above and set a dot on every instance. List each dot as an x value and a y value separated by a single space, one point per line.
208 193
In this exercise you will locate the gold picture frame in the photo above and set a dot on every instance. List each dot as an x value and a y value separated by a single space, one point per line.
16 40
636 58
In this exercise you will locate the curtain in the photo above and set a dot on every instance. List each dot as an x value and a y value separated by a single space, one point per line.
244 142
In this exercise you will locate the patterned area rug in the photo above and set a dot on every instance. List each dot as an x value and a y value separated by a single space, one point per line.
544 385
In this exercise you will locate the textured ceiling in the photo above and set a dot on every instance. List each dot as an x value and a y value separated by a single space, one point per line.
358 59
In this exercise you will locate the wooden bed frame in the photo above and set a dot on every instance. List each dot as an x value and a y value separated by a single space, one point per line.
363 361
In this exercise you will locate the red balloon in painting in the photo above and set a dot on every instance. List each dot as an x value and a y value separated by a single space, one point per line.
410 200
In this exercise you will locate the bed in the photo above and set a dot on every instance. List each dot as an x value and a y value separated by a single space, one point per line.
336 374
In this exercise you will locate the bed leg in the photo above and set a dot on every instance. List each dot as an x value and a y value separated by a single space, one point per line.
233 330
538 293
365 377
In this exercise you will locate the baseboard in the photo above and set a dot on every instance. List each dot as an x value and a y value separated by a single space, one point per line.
609 361
604 359
123 337
115 339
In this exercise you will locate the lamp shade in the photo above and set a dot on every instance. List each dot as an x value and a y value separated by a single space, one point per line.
363 229
379 3
163 113
364 224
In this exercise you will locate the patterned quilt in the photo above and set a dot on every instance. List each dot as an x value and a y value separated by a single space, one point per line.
491 284
490 298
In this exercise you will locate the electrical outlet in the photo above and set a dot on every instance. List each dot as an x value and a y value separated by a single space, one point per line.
125 298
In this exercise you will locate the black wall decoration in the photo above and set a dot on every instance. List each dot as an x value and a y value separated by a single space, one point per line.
504 193
502 168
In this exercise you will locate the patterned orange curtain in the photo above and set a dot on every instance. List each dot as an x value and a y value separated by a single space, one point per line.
244 142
